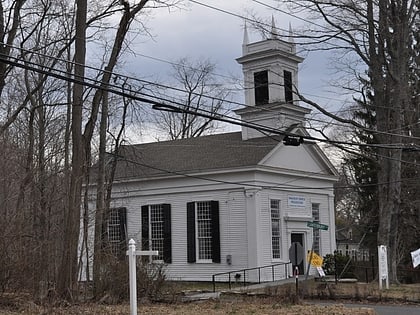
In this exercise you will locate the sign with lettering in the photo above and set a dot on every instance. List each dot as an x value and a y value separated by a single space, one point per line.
315 260
416 257
383 266
317 225
296 201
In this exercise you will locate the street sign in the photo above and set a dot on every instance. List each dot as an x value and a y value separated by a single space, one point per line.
383 266
296 253
316 260
317 225
416 258
321 272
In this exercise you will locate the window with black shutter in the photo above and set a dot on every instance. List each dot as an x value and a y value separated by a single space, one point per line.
156 230
261 87
203 232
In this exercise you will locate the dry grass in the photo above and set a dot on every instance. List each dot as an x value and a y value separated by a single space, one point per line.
276 300
259 306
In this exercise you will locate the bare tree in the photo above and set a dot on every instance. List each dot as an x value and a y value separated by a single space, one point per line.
68 266
10 13
378 33
199 92
101 99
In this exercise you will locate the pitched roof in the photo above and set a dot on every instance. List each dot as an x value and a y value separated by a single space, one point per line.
219 151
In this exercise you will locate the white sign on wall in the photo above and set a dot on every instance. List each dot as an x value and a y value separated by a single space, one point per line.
383 265
416 257
296 201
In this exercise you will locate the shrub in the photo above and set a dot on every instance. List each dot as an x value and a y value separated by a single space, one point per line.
336 264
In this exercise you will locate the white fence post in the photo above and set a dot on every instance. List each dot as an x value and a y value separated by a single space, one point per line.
132 275
132 253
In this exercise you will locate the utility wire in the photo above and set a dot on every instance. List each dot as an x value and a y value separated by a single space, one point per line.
160 105
117 75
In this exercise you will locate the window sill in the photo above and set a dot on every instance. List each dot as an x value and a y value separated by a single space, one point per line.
204 261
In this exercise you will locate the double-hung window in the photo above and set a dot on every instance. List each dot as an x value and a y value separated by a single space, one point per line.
203 235
116 230
316 234
275 228
156 230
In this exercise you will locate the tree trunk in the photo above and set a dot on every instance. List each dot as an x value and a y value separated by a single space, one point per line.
67 277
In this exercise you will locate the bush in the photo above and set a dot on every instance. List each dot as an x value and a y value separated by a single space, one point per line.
335 264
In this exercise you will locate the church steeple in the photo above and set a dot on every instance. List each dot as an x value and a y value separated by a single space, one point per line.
274 34
270 69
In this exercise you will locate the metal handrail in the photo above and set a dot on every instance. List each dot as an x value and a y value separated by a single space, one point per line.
240 271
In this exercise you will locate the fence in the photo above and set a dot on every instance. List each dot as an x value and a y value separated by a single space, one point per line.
367 270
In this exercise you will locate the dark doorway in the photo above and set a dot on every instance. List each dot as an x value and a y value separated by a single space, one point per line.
298 238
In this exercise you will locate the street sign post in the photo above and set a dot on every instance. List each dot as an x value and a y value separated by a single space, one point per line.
317 225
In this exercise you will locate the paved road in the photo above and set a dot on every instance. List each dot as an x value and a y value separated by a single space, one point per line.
384 309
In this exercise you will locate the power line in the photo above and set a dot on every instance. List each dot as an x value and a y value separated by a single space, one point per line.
117 75
159 105
288 13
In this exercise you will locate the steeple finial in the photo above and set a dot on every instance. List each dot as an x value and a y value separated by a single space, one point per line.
291 39
246 39
274 34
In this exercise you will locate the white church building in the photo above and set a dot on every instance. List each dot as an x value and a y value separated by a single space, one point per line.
231 201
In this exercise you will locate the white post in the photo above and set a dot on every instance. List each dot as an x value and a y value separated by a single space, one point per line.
383 266
132 274
132 253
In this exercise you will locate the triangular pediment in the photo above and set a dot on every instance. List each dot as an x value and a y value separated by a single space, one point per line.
306 158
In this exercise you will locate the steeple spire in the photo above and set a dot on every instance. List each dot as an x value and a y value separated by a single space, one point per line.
246 39
291 39
274 34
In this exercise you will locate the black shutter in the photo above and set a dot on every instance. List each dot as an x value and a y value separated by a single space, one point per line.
122 217
145 227
167 237
191 232
215 232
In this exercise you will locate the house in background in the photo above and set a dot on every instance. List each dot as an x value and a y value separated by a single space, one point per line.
236 200
350 243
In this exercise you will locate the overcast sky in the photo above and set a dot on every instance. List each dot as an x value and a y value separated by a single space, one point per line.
200 32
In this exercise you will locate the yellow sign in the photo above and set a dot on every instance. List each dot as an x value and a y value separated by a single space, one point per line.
316 260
